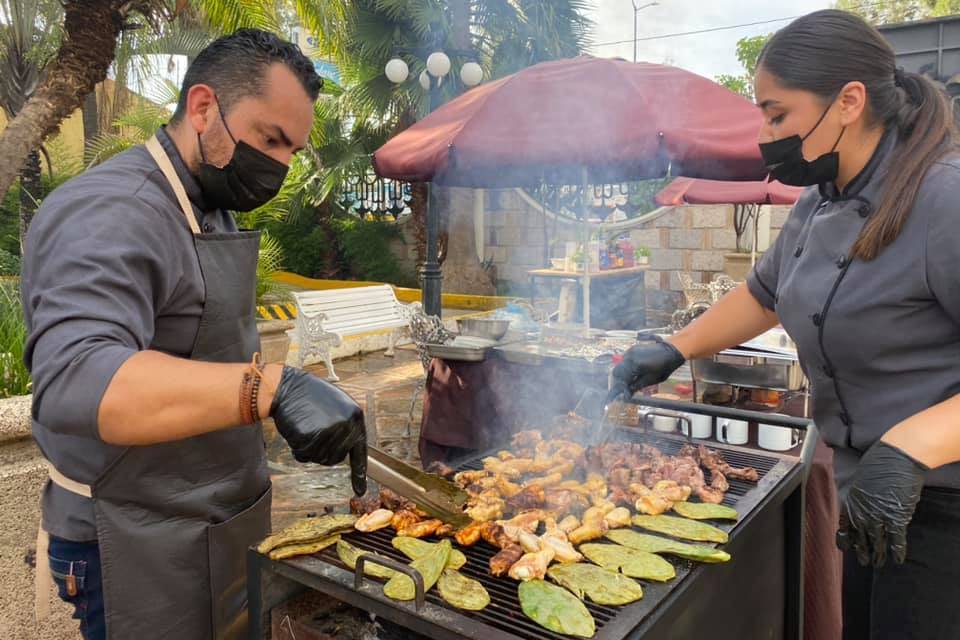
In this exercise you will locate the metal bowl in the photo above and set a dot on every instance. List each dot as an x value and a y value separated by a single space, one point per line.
483 327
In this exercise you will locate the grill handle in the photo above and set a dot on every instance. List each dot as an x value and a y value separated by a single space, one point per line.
413 574
724 412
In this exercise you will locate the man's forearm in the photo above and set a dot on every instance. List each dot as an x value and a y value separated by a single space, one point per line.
734 319
155 398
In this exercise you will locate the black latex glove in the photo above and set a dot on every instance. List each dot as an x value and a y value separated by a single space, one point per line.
874 517
321 423
644 364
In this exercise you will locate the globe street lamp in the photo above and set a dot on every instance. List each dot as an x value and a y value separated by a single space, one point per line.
438 67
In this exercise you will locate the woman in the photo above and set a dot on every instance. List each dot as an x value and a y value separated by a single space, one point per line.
865 278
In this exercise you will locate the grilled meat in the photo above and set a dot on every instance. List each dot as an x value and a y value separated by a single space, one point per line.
568 524
363 505
532 497
440 469
469 535
501 562
420 529
373 521
391 500
494 535
532 566
565 501
588 531
403 519
618 518
444 531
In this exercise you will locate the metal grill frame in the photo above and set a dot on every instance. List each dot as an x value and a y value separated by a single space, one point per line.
271 582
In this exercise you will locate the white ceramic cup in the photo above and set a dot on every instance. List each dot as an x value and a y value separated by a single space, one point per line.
702 425
775 438
732 431
665 424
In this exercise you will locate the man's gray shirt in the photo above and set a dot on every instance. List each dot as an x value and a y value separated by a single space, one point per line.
109 269
879 340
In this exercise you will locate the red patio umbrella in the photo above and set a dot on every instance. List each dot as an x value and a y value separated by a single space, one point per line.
616 119
700 191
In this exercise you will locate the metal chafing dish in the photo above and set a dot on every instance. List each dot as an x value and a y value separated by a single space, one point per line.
767 362
750 369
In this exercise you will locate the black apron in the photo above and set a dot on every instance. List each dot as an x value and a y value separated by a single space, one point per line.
174 520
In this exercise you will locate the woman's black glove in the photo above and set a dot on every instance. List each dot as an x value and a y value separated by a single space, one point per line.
321 423
644 364
880 504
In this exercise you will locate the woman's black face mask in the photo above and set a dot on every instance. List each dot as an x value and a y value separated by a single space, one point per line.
249 180
785 162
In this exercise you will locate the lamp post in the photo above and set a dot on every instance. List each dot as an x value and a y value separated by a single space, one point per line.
636 10
438 67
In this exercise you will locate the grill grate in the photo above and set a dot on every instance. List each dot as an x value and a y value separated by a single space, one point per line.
504 612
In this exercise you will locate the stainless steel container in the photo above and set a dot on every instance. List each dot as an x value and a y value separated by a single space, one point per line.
483 327
750 369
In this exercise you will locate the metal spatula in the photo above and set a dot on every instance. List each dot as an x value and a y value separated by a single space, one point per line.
438 497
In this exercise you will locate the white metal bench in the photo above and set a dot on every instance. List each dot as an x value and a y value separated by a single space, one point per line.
324 318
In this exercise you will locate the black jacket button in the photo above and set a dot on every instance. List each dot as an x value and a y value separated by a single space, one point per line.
207 227
863 210
817 319
827 370
841 262
796 254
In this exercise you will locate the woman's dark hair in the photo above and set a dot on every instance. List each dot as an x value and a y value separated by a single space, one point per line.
823 51
235 66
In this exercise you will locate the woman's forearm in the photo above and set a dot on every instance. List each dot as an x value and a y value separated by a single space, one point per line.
734 319
931 436
155 397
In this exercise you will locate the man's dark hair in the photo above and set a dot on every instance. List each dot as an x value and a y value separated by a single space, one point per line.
235 66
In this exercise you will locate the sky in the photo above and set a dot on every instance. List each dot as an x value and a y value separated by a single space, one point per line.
709 54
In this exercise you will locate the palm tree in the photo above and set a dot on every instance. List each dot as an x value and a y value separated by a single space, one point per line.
29 35
361 35
90 29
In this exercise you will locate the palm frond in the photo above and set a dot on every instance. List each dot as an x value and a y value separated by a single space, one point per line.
226 16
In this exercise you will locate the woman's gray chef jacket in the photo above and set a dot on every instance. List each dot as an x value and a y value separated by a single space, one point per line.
880 340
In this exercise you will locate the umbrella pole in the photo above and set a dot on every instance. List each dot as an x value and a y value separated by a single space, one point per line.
430 273
587 258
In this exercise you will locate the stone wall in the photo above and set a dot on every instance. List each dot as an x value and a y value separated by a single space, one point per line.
691 238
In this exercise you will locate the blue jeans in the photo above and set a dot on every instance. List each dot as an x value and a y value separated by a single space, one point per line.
81 560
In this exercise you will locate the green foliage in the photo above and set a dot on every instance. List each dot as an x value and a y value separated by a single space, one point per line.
894 11
269 262
305 245
14 377
748 52
365 246
9 263
10 205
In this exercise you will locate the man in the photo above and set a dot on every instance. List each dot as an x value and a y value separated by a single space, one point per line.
139 298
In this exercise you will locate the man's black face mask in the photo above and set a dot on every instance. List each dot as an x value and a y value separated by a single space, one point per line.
249 180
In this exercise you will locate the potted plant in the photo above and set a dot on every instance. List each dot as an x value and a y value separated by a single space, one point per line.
641 255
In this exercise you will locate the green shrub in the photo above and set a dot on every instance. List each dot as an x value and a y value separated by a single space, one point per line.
352 249
14 377
304 244
9 263
365 249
